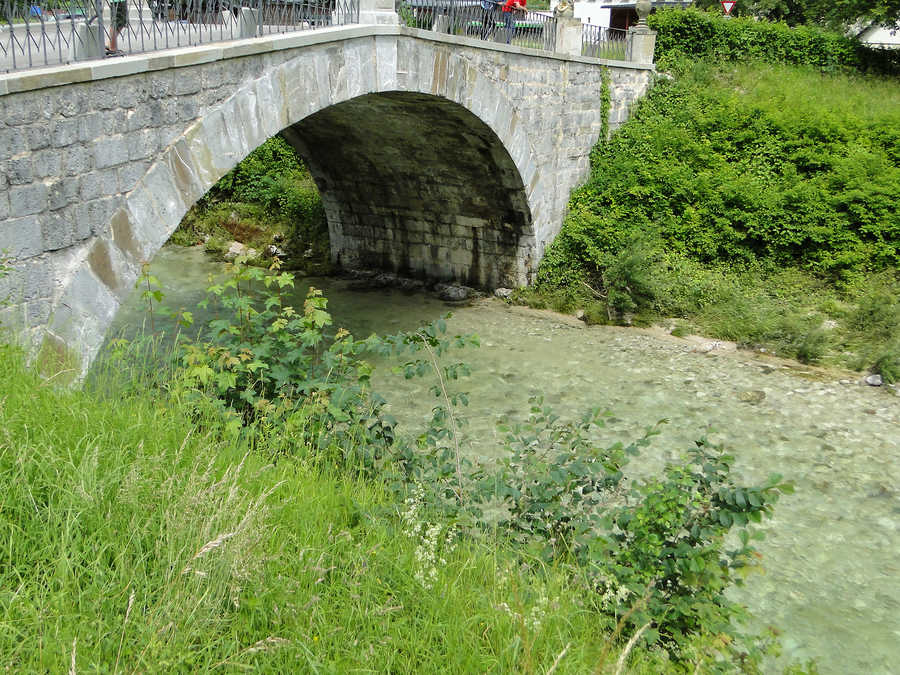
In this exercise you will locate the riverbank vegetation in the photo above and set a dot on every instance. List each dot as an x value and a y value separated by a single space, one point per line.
242 500
757 202
268 199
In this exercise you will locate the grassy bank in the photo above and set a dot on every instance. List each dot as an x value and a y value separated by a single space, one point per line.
136 539
756 203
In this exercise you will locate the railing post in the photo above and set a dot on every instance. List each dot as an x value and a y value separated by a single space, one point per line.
248 22
101 34
641 41
379 12
569 31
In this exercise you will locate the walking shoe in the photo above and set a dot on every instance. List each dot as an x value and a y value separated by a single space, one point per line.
114 52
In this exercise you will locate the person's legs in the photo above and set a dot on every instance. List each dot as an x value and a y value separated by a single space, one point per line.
119 21
510 21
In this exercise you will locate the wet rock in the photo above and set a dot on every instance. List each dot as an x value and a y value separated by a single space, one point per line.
273 251
579 314
452 292
385 280
277 237
753 397
504 293
408 284
237 249
873 380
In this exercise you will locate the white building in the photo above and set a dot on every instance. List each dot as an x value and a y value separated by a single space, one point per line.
614 13
876 36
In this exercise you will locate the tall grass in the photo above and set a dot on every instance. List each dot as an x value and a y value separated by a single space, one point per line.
135 539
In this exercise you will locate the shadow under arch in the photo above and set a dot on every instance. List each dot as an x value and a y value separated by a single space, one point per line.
416 184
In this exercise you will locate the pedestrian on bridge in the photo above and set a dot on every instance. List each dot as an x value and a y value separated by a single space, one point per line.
510 9
118 10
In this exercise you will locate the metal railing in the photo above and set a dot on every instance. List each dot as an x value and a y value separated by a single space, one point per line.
603 43
483 20
36 34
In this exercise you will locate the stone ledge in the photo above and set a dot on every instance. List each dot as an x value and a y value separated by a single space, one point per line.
87 71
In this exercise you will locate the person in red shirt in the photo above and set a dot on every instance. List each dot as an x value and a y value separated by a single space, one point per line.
510 8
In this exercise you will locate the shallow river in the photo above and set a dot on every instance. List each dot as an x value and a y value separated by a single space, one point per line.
832 552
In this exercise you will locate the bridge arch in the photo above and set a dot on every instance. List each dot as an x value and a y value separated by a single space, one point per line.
473 219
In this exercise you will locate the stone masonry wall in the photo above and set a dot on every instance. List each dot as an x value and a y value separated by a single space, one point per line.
98 164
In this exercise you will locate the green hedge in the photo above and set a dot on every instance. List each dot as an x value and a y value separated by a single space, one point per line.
696 34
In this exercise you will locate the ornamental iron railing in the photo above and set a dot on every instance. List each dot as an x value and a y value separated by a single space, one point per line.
65 31
603 43
482 20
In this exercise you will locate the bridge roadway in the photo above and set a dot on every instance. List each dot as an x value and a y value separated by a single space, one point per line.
436 155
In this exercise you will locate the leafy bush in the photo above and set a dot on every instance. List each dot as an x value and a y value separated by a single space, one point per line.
274 371
741 165
270 191
696 34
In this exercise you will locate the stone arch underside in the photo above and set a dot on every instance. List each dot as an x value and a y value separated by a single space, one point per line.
418 185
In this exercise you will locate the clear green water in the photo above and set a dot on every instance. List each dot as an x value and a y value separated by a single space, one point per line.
832 553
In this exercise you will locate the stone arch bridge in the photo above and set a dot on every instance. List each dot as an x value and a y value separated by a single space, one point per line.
435 155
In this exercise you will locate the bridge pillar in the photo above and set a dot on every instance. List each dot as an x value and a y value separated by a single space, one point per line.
568 34
640 45
378 12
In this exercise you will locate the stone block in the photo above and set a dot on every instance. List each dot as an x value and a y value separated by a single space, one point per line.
47 164
187 108
76 160
20 170
133 94
37 136
21 237
110 152
99 184
104 96
20 109
63 192
57 229
187 82
142 144
26 200
90 127
64 132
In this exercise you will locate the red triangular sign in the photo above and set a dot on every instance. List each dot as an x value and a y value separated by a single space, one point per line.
728 5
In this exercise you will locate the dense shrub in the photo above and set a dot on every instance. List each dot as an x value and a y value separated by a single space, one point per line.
741 165
697 34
